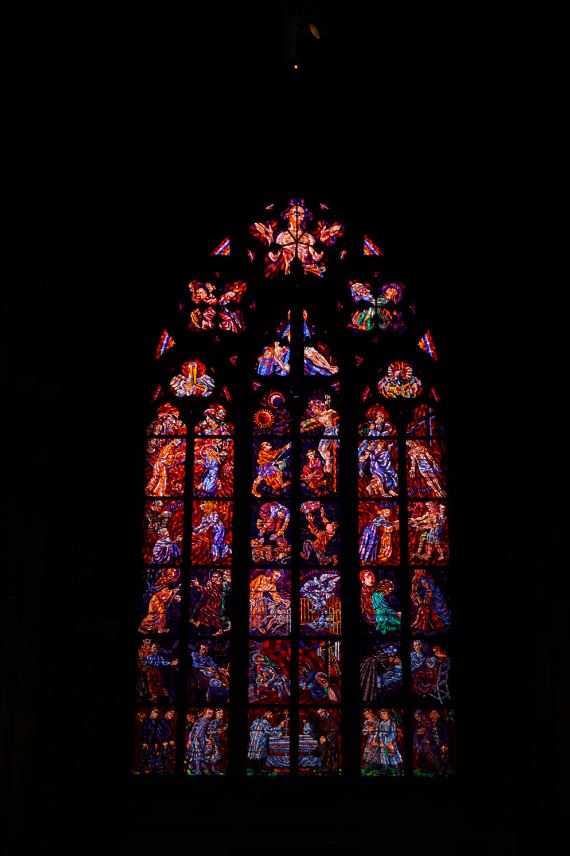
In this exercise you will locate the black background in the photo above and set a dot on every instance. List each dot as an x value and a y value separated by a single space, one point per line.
135 140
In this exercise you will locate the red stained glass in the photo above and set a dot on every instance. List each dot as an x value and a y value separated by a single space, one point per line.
378 527
319 467
425 469
268 746
165 467
155 734
319 532
210 601
161 601
206 741
163 532
211 533
192 380
271 467
399 381
427 533
272 416
319 741
269 671
270 543
270 602
213 467
377 423
429 612
319 671
167 421
425 423
382 746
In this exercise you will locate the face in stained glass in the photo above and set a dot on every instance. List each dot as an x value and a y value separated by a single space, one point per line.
319 532
382 743
157 671
424 461
377 424
209 671
378 533
210 593
165 466
161 601
380 671
167 421
206 736
163 532
270 602
433 742
320 603
380 611
271 467
429 603
269 671
213 466
430 666
319 671
268 745
428 541
155 735
214 423
212 533
270 543
319 741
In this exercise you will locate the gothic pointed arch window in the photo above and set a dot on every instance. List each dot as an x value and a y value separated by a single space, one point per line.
295 576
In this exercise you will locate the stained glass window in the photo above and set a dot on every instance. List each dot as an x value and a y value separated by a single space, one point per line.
296 582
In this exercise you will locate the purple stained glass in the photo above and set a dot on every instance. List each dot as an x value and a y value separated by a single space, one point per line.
206 741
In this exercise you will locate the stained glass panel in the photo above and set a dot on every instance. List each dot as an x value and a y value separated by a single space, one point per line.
155 734
269 671
165 460
270 602
320 603
433 742
161 601
212 533
427 533
429 602
380 671
163 532
271 467
425 470
208 680
382 742
319 671
213 466
192 380
378 526
319 532
319 740
157 671
270 543
430 666
268 748
206 741
379 601
210 601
